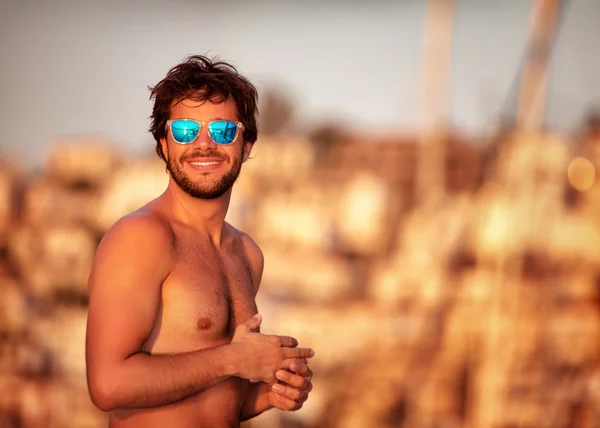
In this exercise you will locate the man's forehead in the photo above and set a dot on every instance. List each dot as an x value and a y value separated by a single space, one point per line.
202 107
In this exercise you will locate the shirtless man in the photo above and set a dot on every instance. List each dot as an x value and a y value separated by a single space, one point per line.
173 334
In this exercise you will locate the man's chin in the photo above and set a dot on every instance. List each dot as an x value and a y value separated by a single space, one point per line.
207 195
204 184
204 190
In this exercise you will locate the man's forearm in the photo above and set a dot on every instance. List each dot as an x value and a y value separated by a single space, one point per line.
144 380
257 401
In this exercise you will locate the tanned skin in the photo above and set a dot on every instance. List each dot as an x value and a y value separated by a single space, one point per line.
173 335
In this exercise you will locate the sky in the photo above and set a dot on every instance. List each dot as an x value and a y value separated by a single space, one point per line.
79 67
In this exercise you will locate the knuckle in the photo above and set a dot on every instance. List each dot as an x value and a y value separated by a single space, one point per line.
282 402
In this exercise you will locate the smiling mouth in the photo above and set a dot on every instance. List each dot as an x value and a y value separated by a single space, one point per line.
199 163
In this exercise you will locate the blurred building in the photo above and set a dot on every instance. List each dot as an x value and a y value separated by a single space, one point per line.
479 308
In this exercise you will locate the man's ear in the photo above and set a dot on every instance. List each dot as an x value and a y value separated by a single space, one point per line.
247 150
164 148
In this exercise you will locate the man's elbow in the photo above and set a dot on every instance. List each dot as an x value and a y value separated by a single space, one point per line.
103 392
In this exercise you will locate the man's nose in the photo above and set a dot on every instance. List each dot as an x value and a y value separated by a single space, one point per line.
203 141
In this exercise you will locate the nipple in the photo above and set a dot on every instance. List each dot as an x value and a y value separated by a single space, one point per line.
204 323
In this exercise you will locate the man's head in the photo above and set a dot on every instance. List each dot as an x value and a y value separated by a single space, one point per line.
203 92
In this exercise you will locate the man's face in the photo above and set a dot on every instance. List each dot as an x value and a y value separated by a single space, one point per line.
203 168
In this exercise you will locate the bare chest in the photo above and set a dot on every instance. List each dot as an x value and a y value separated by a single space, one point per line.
206 296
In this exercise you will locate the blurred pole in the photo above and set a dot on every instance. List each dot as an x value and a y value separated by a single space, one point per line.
504 295
530 114
434 103
431 167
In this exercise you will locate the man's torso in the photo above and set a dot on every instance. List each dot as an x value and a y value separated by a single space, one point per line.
208 293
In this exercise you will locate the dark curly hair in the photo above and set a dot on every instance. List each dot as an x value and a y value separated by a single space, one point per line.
200 78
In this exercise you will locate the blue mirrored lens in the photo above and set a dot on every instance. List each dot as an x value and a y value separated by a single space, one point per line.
223 131
185 131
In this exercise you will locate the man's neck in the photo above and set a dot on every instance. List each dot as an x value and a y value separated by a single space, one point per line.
205 215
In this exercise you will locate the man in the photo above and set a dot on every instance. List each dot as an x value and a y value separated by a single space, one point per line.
173 332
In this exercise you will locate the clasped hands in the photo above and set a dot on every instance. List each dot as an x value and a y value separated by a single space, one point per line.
293 385
277 361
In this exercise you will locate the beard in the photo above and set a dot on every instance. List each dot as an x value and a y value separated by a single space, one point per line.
205 189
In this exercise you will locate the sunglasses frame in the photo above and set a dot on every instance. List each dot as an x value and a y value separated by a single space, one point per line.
239 125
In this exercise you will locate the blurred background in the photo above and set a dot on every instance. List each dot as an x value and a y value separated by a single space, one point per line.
423 188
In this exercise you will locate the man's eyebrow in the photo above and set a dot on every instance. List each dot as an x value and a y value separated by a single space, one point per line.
209 120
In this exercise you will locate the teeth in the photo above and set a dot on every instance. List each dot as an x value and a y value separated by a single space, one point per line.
204 163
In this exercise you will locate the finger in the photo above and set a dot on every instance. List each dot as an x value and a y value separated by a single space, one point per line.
305 371
288 341
286 404
252 324
283 341
300 367
288 363
298 353
293 379
289 392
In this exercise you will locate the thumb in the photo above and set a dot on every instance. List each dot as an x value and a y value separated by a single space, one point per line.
253 323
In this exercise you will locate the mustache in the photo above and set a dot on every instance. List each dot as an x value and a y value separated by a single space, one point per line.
204 154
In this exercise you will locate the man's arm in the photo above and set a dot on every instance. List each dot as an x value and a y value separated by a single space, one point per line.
131 262
296 383
256 260
257 401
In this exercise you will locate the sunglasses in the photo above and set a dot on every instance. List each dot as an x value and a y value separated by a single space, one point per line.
185 131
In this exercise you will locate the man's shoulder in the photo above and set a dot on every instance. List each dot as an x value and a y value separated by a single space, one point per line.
253 255
251 248
136 250
142 227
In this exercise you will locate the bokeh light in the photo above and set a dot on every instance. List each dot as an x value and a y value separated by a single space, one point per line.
581 173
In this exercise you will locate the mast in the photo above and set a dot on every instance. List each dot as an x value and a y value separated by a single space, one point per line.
430 180
531 108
